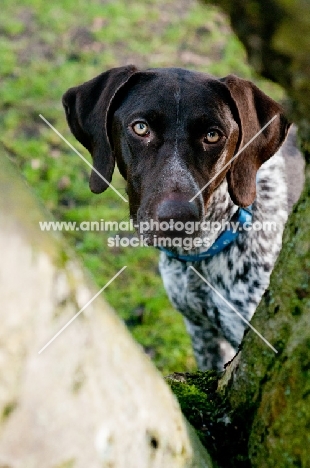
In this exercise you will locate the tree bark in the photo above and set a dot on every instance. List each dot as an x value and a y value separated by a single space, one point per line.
257 415
258 412
269 394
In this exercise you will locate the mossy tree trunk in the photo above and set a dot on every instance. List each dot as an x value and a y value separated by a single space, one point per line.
267 395
258 413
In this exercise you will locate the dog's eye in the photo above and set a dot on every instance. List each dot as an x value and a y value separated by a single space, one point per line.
141 128
212 136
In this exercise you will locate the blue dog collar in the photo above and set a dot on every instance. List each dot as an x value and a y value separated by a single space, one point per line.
243 216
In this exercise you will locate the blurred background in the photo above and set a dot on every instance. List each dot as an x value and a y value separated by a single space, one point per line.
48 47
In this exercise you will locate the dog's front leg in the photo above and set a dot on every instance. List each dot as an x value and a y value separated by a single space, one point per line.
211 350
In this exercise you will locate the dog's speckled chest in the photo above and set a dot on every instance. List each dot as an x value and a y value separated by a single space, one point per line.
241 272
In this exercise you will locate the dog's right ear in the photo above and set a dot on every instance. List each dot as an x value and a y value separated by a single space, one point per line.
87 107
256 111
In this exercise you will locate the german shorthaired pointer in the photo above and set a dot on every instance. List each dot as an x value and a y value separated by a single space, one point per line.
174 134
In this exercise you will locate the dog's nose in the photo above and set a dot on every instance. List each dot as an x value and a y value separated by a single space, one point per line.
178 210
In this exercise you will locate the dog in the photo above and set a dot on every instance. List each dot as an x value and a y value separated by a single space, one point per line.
195 148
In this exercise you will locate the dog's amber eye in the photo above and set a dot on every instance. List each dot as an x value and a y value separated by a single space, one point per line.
212 136
141 128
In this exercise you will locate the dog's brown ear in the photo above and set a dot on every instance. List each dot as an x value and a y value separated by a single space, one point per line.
254 110
87 107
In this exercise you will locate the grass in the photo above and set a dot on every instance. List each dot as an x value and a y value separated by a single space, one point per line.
48 47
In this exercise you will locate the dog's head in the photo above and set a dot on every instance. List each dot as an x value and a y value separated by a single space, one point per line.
171 132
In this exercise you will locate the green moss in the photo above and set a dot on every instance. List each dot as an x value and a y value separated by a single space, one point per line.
196 396
201 405
194 405
8 409
282 419
222 432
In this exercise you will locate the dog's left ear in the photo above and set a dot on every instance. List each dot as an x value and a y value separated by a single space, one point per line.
254 110
87 107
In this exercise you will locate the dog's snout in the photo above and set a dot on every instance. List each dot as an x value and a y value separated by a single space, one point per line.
178 210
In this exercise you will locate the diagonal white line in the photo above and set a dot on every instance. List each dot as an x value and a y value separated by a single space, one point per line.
80 311
235 310
236 155
82 157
